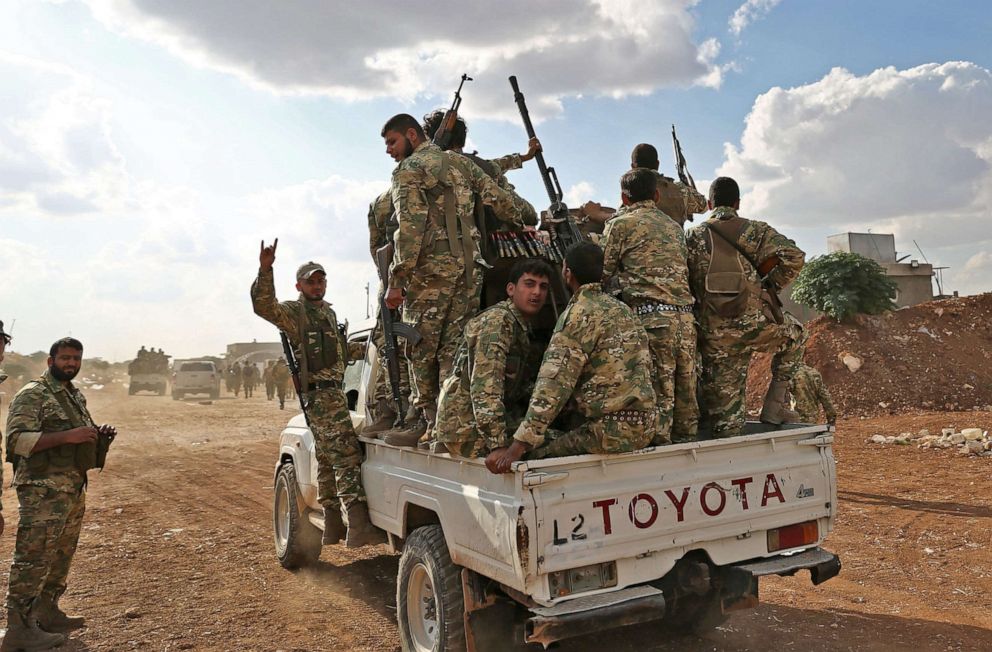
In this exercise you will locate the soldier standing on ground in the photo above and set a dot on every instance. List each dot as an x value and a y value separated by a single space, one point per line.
234 373
52 442
322 351
734 313
270 386
435 273
4 343
645 253
249 376
280 378
809 393
484 399
599 356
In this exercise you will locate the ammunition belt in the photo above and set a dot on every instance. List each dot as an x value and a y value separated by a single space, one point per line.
629 416
524 244
650 308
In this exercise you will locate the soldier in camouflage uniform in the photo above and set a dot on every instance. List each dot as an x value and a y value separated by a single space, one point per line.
323 351
809 393
270 385
599 356
435 273
675 199
484 399
249 377
52 441
645 253
382 226
4 342
733 311
280 379
234 375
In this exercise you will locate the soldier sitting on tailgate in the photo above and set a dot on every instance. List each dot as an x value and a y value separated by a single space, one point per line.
484 399
599 356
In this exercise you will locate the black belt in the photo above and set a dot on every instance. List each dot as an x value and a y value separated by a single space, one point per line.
323 384
649 308
629 416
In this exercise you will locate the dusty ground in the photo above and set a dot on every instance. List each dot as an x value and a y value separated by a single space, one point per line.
177 534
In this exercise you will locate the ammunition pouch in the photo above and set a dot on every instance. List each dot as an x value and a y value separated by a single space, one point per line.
727 289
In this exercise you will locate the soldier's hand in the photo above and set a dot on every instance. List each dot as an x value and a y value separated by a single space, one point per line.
533 147
84 435
494 460
394 298
267 255
107 430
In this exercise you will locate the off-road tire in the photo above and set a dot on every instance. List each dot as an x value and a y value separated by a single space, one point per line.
297 540
425 550
696 614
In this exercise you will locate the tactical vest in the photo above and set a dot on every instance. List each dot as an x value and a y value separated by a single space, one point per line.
670 201
67 457
460 243
322 345
727 287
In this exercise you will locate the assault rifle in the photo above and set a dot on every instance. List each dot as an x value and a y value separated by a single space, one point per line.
680 164
391 330
442 137
294 369
564 225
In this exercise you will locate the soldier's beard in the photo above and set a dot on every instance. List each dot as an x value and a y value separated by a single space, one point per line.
62 376
408 150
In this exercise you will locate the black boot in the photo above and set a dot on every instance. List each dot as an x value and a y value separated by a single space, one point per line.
361 532
334 529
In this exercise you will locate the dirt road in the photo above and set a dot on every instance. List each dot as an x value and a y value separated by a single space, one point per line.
176 549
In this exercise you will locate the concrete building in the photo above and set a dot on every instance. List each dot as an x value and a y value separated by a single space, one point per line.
913 278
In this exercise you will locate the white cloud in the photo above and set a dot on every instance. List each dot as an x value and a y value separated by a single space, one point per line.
560 48
907 152
749 12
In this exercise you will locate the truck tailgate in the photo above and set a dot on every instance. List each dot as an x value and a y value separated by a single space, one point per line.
646 509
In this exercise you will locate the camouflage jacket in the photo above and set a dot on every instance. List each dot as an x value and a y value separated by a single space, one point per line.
761 242
644 250
35 410
382 225
599 355
809 393
692 200
502 165
490 378
418 198
318 325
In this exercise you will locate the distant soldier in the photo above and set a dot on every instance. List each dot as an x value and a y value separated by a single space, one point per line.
323 352
52 442
270 383
435 273
249 378
382 227
234 373
599 356
280 377
484 399
645 255
675 199
736 268
809 393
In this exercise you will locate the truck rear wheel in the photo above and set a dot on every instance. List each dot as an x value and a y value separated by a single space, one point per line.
696 614
429 602
297 539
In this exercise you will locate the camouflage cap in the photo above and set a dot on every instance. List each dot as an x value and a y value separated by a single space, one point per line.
307 270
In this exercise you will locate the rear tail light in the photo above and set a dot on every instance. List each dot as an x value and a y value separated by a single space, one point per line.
586 578
793 536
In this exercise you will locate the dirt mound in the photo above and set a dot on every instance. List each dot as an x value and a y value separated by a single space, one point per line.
934 356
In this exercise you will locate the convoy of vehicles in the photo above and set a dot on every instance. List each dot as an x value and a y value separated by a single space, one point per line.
195 377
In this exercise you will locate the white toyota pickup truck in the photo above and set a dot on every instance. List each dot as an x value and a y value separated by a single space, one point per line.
563 547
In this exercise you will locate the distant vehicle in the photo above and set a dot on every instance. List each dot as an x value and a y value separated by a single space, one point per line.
154 382
574 545
195 377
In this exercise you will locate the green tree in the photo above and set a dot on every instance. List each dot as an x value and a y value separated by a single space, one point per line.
843 285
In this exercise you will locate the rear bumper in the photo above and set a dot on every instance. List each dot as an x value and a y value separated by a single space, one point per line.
631 606
822 565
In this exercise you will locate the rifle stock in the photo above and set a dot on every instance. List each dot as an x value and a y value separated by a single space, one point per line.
391 330
294 369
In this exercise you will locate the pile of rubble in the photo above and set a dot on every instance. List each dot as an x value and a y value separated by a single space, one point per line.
970 441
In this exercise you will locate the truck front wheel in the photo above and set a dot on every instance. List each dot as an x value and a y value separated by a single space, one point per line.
429 601
297 539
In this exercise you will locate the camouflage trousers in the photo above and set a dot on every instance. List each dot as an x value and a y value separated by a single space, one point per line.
383 390
339 456
281 389
725 361
673 350
47 534
439 308
596 436
270 390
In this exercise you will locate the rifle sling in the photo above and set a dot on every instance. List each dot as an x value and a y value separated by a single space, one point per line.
451 220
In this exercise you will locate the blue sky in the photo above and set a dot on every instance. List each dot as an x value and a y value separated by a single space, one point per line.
147 146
